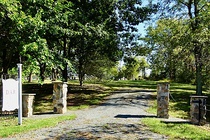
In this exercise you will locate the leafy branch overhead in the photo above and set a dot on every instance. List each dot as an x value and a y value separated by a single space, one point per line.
65 36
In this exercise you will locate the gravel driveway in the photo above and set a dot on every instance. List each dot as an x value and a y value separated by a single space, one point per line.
118 118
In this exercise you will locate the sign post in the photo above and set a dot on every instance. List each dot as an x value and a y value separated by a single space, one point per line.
20 93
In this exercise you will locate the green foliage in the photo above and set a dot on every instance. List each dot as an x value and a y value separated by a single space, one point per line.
38 51
168 57
179 41
131 13
9 36
143 66
63 35
103 69
132 68
172 53
37 54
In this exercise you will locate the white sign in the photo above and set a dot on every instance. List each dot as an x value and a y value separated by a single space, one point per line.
10 95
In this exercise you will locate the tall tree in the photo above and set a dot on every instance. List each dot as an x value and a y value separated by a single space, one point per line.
143 65
132 65
55 28
118 19
169 57
98 34
9 34
53 33
196 12
130 14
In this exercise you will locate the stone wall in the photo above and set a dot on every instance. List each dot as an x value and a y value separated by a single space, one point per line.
163 100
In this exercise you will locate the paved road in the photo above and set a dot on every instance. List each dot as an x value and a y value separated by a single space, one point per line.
119 117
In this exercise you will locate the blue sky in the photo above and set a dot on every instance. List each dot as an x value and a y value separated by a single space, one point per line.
142 26
141 29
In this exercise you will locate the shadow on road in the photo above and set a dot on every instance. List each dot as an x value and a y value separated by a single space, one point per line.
111 131
134 116
133 91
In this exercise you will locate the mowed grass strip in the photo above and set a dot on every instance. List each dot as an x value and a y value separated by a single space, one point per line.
177 131
10 126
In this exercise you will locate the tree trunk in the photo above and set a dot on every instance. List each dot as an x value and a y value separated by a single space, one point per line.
80 80
81 74
54 74
42 71
144 72
65 73
30 77
81 64
198 64
4 62
197 48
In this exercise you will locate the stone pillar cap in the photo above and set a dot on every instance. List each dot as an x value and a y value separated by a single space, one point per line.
198 96
32 94
163 82
59 82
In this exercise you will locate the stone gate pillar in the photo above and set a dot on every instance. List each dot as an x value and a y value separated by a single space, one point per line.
163 100
198 109
27 104
60 97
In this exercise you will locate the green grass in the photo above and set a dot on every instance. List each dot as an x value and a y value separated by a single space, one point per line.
78 97
176 131
79 107
93 94
141 84
86 96
43 101
10 126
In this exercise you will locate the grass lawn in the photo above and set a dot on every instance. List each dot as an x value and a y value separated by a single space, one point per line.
177 131
77 98
9 126
93 94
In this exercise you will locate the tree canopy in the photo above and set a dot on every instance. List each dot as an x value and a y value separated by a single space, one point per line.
54 38
179 42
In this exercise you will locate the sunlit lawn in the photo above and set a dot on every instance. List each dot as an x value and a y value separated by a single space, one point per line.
177 131
9 126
